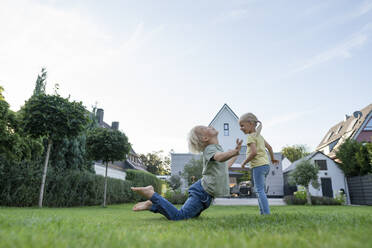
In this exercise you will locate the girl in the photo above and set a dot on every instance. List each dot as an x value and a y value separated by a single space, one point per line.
257 156
214 181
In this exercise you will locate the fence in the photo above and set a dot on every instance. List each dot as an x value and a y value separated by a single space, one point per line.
360 189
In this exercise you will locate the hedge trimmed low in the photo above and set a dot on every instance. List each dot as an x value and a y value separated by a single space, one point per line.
20 186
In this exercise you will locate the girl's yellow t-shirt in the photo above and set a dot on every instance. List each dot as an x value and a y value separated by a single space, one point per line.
261 158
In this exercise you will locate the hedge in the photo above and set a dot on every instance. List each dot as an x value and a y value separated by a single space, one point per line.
20 186
142 179
315 200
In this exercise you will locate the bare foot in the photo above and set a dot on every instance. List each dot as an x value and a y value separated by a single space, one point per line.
145 205
144 191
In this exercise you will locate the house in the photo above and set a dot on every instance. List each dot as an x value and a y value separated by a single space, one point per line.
117 169
331 178
357 127
226 123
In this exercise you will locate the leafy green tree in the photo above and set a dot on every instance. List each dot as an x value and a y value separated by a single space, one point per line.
52 117
305 173
14 144
192 171
156 163
295 152
355 158
107 145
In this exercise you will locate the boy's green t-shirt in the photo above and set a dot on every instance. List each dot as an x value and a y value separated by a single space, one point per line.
215 176
261 158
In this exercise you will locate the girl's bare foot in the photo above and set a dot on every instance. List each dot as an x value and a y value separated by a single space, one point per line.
145 205
144 191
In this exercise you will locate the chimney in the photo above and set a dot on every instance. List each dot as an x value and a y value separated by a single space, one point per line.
115 125
100 116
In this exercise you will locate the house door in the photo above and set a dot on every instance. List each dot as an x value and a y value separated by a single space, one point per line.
327 187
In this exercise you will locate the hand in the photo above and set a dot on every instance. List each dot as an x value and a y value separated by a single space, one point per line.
243 166
275 161
238 146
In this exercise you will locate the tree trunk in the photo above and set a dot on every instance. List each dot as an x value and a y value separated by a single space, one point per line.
104 194
44 174
308 196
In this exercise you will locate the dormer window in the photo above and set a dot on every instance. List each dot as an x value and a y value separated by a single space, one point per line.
226 129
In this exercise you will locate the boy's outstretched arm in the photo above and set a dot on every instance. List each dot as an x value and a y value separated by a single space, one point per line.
270 149
224 156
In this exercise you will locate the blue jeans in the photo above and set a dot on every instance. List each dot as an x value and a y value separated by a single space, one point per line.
259 177
197 201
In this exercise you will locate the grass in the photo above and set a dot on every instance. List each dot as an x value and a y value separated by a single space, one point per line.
219 226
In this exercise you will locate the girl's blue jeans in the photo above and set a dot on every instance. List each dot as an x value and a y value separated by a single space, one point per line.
197 201
259 177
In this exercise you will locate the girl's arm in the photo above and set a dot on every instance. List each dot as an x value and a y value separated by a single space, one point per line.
252 154
270 149
224 156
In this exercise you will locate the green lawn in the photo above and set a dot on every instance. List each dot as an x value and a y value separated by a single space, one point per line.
219 226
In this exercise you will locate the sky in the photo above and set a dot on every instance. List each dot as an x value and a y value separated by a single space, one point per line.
161 67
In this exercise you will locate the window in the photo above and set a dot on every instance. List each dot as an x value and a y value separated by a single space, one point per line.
226 129
339 129
369 125
322 164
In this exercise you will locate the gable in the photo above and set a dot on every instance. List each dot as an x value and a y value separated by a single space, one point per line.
223 113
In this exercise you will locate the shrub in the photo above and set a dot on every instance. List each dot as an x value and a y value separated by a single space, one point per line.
176 196
20 186
315 200
142 179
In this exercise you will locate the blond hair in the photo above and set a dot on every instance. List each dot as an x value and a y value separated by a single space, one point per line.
249 117
196 145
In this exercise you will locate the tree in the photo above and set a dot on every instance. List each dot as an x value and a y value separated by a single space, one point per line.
156 163
107 145
193 171
355 158
1 94
40 83
52 117
305 173
174 182
295 152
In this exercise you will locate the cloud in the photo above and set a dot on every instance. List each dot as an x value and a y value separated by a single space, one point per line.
343 50
285 118
362 9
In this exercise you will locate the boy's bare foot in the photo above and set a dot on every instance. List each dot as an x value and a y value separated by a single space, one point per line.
145 205
144 191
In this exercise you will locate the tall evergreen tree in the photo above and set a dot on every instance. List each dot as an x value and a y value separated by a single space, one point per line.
40 83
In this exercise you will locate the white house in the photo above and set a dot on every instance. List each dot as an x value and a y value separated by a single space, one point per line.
100 169
331 178
226 123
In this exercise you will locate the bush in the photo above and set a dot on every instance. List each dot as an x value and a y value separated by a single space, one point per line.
81 188
356 158
315 200
20 186
176 196
142 179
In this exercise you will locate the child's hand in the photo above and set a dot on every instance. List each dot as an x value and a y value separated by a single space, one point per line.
238 146
275 161
243 166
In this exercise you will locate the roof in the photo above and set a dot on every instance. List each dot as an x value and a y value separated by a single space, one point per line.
308 157
345 129
225 106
